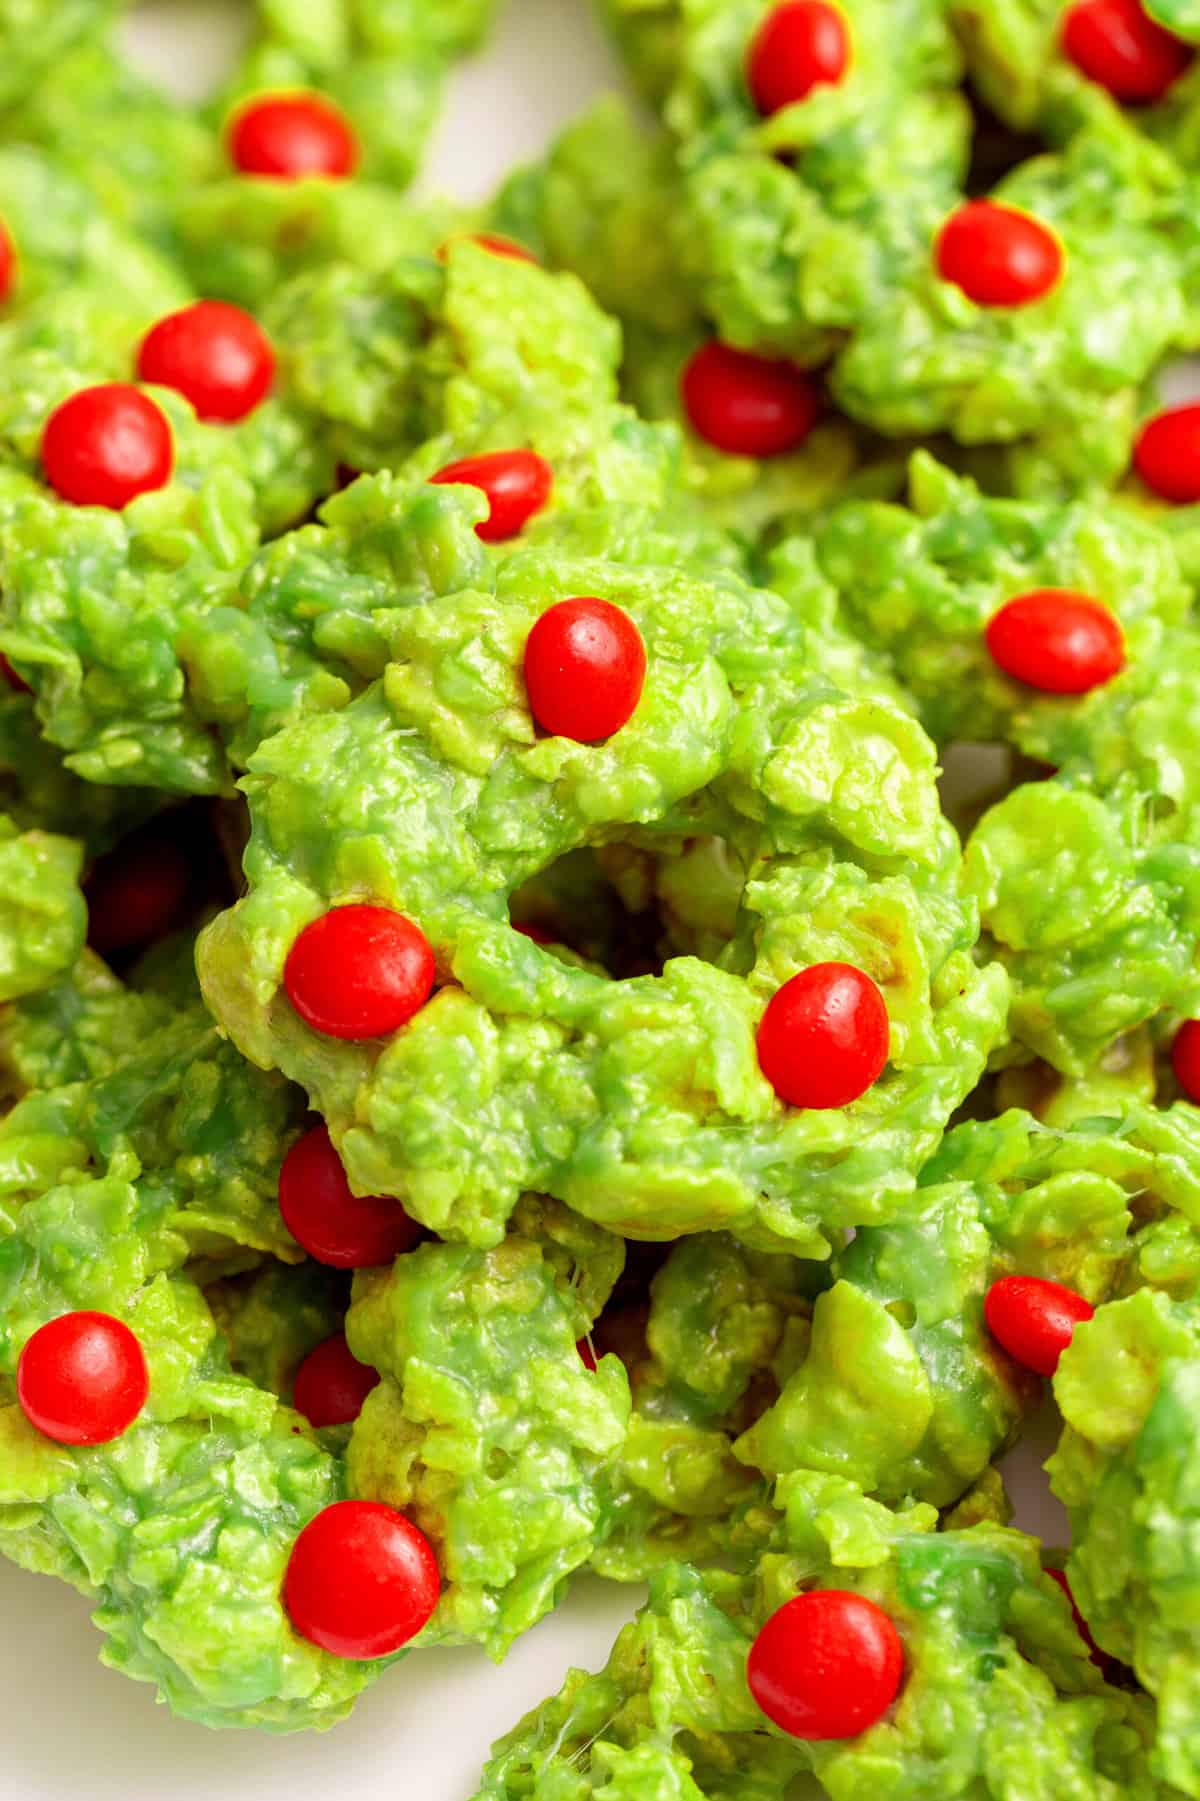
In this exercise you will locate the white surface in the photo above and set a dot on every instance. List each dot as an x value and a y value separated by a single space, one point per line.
73 1729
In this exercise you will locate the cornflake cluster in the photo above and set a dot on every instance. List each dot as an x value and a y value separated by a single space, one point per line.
515 1058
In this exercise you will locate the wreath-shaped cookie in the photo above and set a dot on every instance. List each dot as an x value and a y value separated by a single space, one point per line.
641 1103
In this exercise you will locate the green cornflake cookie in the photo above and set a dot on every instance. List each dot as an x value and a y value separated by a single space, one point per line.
1057 378
134 149
724 1328
488 1431
800 226
65 243
922 581
1088 882
999 1695
606 203
1018 58
446 800
181 1528
383 65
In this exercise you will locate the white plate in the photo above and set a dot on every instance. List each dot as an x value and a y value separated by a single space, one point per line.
74 1729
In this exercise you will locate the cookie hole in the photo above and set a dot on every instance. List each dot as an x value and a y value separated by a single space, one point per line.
629 907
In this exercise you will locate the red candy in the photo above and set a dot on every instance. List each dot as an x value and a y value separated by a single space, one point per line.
1167 454
517 484
587 1355
1057 641
82 1379
799 46
331 1384
490 240
345 1230
585 666
359 972
291 136
746 405
1034 1320
212 353
998 256
106 445
823 1040
136 892
8 263
361 1581
538 934
1108 1666
1185 1058
826 1665
1117 45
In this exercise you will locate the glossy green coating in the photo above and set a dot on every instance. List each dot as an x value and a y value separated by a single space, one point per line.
1058 378
1179 16
488 1430
1126 1469
272 1316
43 916
179 1529
923 580
671 1715
799 226
724 1327
650 1136
606 203
384 66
